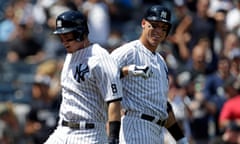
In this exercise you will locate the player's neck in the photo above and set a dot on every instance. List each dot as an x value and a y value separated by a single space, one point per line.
84 44
148 45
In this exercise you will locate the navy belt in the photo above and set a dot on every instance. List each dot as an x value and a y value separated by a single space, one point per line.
147 117
79 125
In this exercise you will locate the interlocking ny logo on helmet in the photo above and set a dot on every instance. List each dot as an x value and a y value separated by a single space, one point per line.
163 15
72 21
158 13
59 23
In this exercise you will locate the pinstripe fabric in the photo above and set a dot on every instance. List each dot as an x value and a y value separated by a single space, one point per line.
89 79
138 131
65 135
148 96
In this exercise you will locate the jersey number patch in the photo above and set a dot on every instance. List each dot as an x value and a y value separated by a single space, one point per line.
114 88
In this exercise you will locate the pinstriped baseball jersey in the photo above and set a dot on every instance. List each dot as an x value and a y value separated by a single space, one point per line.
66 135
89 79
148 96
138 131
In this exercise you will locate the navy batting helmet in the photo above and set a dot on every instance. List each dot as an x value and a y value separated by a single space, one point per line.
158 13
72 21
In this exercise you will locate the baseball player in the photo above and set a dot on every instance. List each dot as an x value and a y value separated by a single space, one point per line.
91 88
145 83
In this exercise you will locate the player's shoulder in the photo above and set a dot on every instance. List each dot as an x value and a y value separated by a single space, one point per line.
99 50
160 56
127 47
130 45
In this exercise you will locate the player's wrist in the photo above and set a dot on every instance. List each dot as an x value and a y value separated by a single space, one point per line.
113 141
169 107
123 71
176 131
114 128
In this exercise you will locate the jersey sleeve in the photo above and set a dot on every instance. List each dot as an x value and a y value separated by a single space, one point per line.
108 78
123 55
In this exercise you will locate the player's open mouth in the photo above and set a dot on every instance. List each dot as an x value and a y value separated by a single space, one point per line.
155 38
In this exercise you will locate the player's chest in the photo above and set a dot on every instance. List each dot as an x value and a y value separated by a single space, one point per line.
156 64
79 71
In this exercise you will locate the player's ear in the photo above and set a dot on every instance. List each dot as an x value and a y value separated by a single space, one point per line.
143 23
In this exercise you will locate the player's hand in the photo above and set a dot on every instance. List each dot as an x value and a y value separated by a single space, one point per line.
113 141
143 71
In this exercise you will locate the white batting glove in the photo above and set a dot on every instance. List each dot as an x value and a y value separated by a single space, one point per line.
183 141
143 71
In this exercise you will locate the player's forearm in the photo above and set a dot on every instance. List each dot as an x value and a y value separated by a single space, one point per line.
173 127
114 117
135 70
177 133
114 111
123 71
171 119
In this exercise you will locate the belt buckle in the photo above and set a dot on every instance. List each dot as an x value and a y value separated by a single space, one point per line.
82 125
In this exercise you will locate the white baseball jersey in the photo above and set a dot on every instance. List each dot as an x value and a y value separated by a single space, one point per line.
89 79
148 96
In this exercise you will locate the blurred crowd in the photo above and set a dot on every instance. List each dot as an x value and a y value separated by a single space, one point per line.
202 52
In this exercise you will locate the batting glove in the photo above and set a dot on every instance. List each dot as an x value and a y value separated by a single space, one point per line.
143 71
183 141
113 141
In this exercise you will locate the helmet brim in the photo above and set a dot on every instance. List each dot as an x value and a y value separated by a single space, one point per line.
153 18
63 30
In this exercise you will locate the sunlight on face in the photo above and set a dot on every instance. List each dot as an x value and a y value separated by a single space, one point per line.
156 32
68 37
69 42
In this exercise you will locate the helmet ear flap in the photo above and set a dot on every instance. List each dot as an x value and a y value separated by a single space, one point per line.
79 34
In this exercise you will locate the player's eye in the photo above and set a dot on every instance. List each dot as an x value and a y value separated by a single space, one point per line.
154 25
164 29
162 26
66 40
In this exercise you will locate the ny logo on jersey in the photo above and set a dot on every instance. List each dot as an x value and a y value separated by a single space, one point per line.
81 72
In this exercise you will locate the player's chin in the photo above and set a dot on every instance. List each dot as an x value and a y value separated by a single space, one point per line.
155 42
69 50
